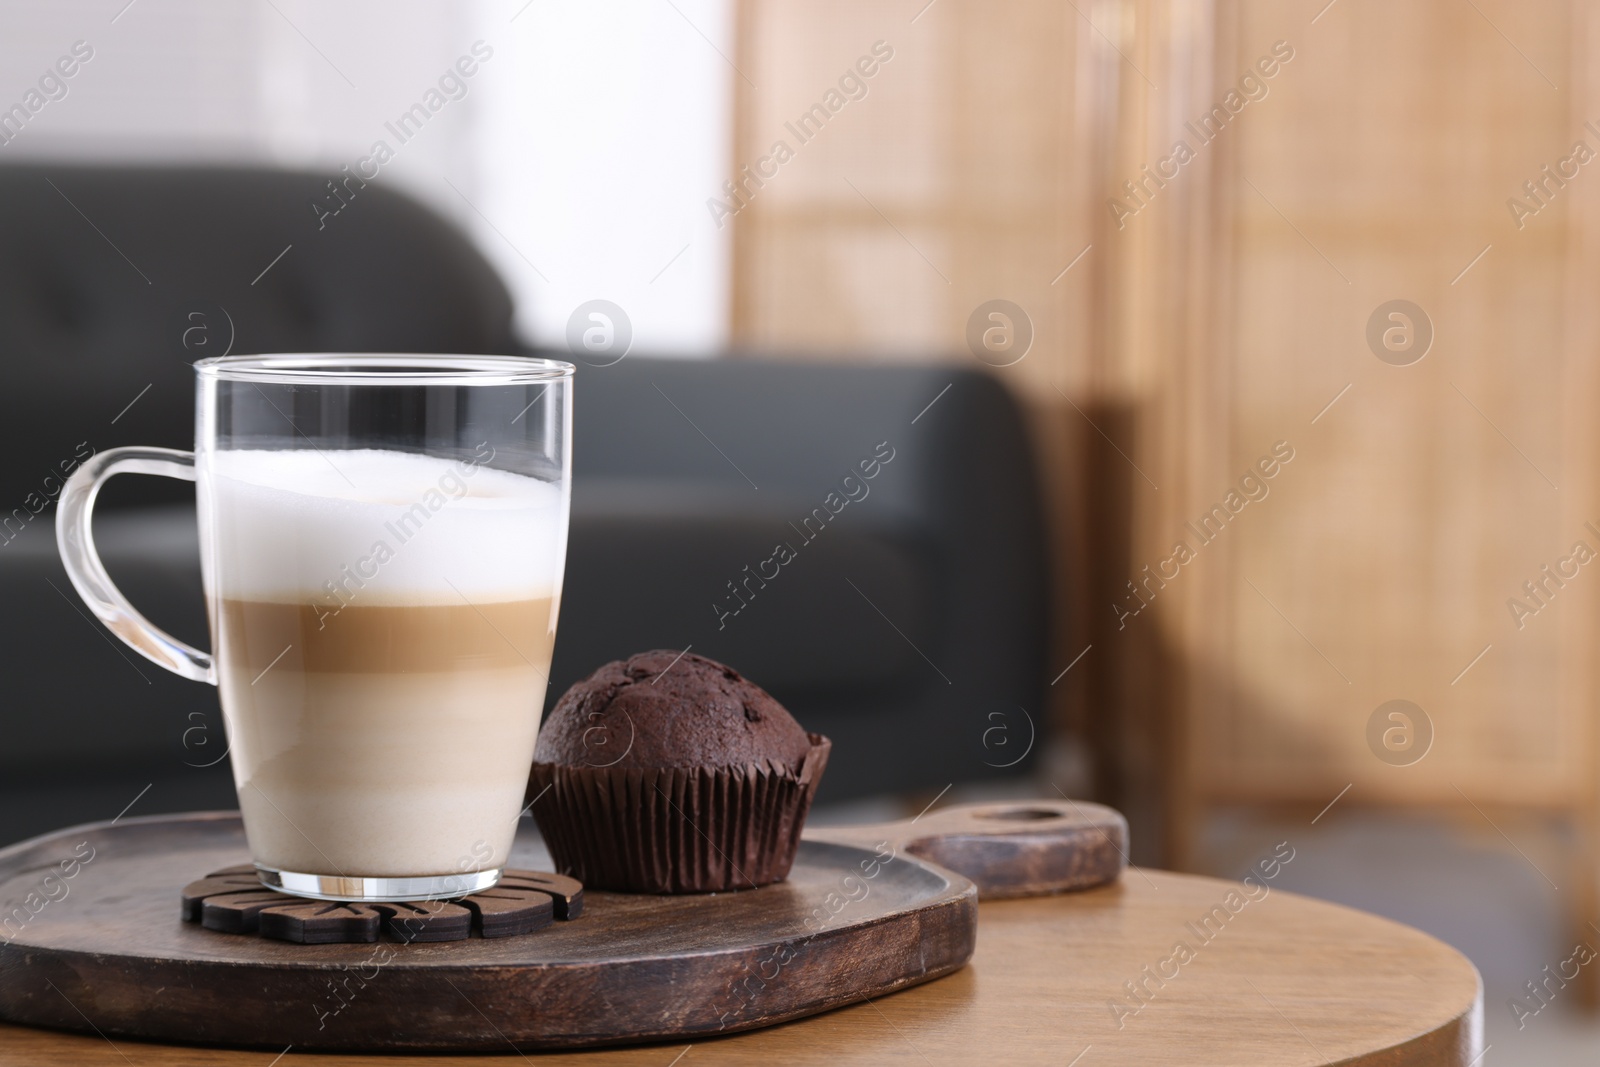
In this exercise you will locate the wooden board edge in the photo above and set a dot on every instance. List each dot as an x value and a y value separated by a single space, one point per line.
57 991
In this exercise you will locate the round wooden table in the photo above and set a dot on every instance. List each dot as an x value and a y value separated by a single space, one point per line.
1088 980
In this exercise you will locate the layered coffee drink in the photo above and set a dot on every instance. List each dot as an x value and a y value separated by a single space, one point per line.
382 625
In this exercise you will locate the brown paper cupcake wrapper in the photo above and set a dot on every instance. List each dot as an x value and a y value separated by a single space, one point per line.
676 829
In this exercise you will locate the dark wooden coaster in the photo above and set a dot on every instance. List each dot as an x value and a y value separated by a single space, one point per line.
233 901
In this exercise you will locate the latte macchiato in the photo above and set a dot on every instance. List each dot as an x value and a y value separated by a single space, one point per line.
382 625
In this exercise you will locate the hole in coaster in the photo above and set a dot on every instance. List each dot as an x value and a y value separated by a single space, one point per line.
1019 814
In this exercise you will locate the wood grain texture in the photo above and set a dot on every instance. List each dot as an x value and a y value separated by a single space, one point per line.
849 923
1291 982
1009 850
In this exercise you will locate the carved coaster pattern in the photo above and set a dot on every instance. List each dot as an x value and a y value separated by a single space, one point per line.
234 901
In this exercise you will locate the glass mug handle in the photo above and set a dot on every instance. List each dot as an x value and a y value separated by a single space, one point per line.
75 539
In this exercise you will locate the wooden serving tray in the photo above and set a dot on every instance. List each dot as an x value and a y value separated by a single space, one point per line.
866 911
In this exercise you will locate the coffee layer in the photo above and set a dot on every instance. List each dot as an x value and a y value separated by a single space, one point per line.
357 638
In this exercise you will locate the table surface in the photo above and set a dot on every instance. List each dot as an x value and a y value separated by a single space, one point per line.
1278 980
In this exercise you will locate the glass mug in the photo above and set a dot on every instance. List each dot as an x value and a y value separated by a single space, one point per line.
382 543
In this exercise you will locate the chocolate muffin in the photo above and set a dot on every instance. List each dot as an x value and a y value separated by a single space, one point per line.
669 709
672 773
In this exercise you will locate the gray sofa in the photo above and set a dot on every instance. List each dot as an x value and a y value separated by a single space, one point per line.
907 611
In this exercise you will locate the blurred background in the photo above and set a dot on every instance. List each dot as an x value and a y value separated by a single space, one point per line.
1239 358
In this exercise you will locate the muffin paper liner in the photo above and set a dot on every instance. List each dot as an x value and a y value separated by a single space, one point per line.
676 829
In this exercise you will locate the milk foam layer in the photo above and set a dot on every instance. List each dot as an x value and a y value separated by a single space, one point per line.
387 527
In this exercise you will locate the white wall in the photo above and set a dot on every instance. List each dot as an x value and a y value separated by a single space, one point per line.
612 131
580 157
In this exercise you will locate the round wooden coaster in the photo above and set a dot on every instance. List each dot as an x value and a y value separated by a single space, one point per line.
234 901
